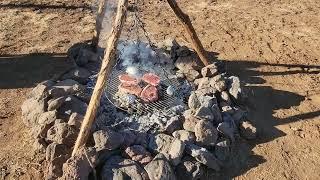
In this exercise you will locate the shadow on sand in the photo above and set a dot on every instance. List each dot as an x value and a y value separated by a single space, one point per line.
27 70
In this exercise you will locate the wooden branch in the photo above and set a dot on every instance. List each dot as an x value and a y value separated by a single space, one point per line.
99 19
106 67
185 20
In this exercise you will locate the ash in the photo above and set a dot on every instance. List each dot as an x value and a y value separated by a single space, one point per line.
111 116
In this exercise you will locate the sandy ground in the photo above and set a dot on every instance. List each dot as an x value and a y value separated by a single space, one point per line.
273 45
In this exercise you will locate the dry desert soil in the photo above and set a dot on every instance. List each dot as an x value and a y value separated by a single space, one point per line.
272 45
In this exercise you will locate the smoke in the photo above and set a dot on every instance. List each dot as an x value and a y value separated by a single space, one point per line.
137 57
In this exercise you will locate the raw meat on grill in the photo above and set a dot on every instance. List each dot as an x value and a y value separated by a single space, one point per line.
128 80
149 94
133 89
151 79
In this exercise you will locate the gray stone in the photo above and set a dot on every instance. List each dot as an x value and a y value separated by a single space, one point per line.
107 139
227 130
188 113
185 136
220 86
47 117
118 168
176 151
46 121
247 130
209 71
189 169
80 165
207 101
227 109
31 110
223 150
173 124
54 167
54 104
84 56
187 62
234 87
62 133
139 154
203 156
141 139
161 143
216 113
238 115
39 145
209 91
55 150
189 123
203 83
205 133
193 101
191 74
66 87
75 120
78 74
205 113
41 90
218 82
160 169
129 138
225 97
71 105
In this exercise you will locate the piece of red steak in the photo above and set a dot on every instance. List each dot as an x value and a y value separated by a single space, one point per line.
149 94
128 80
151 79
133 89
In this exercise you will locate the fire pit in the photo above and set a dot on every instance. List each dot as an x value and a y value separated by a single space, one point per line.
163 116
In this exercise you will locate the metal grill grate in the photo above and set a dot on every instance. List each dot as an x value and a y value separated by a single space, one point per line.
164 102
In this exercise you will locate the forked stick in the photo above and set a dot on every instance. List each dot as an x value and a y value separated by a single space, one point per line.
107 64
185 20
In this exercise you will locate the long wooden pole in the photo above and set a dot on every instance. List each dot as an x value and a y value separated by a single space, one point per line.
185 20
99 19
107 64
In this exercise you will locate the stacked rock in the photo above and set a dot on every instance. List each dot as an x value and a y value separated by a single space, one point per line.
54 111
188 141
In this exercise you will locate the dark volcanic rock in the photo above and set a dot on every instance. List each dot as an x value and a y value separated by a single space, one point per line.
247 130
189 123
189 169
75 120
160 169
185 136
203 156
71 105
78 74
54 104
80 165
65 88
205 133
139 154
62 133
107 139
234 87
119 168
31 110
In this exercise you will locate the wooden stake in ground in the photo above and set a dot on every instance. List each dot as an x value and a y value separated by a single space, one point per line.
107 64
99 19
185 20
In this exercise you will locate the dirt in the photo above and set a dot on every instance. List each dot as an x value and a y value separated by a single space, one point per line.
272 45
